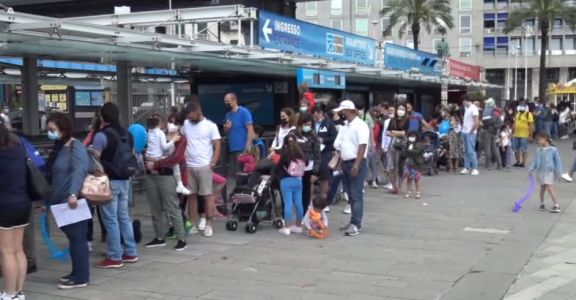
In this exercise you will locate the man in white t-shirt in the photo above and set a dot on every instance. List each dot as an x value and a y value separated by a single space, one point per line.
352 142
202 155
469 128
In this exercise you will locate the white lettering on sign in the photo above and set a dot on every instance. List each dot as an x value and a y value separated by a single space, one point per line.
356 43
402 53
285 27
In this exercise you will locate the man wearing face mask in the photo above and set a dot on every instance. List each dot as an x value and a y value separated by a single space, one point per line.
240 130
352 142
470 125
523 130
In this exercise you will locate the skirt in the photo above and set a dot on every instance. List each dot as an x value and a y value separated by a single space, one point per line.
410 172
547 178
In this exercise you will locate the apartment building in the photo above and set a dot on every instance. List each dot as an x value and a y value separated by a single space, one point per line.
477 38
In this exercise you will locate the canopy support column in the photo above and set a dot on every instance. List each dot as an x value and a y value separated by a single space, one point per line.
124 87
30 116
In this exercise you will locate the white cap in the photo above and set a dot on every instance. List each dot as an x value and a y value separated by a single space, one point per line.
346 104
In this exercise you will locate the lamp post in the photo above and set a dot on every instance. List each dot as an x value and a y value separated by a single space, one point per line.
526 33
516 72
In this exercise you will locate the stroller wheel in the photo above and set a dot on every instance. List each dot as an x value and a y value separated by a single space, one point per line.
278 223
232 225
251 227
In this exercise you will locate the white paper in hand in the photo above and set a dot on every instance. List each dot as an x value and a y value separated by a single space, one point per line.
64 215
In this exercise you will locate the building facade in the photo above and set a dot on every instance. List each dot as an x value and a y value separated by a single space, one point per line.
477 38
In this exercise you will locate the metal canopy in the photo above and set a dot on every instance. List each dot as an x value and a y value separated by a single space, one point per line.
24 34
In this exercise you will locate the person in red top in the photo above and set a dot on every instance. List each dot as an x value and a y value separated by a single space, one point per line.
162 198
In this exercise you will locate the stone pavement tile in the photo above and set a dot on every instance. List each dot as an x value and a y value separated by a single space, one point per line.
536 291
479 286
522 283
556 296
568 289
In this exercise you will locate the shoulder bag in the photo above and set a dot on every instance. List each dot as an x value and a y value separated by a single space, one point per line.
96 185
38 187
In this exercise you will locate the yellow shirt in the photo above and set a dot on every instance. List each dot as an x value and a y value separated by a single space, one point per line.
522 123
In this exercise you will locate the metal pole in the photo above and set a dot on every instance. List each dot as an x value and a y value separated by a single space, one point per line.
239 23
170 4
516 75
508 71
526 64
251 33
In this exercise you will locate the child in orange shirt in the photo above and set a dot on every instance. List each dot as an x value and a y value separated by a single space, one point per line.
315 220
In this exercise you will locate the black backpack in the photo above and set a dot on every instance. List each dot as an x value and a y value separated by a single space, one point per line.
124 163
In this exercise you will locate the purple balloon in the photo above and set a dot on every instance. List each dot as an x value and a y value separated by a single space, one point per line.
531 189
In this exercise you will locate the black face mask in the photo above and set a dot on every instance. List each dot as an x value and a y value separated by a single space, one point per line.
284 122
228 106
193 121
342 116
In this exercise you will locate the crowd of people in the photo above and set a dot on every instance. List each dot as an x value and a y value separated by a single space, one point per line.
319 151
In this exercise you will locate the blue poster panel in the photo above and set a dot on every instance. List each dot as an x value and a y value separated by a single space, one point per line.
403 58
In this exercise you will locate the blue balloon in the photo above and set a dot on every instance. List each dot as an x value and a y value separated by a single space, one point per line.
140 136
55 252
444 127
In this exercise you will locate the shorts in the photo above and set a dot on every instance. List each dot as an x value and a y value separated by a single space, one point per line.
520 144
200 180
324 172
392 160
14 215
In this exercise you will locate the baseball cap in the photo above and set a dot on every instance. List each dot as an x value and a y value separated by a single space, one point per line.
346 104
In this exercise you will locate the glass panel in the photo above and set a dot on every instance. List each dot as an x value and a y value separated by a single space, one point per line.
361 7
336 7
311 9
465 24
362 26
465 47
556 43
465 4
569 43
489 43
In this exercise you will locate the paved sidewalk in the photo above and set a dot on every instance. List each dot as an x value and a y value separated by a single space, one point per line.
461 241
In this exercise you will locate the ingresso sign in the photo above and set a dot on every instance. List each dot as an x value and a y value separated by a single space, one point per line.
291 35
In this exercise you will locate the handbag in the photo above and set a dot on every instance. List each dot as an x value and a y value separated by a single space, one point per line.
334 162
96 186
398 144
38 186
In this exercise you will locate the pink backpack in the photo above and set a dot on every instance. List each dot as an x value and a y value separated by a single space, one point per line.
296 168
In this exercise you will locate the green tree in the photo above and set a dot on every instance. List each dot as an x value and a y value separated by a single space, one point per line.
415 14
544 11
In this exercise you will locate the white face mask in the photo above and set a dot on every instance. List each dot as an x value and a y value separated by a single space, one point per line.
401 113
172 128
303 108
411 139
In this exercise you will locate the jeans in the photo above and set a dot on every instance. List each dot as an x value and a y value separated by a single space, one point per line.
373 158
354 186
548 128
291 188
117 222
77 237
470 158
555 131
334 184
162 200
573 168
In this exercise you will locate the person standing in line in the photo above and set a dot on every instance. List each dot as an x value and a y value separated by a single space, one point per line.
522 133
352 143
326 131
287 125
469 129
555 126
290 171
491 123
416 121
387 140
563 119
240 130
68 165
397 131
115 147
15 207
202 155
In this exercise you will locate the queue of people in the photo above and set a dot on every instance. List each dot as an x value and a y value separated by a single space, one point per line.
338 147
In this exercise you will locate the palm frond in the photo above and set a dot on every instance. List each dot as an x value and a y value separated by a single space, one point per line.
517 17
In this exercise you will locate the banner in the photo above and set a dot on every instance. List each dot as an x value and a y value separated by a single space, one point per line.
463 70
403 58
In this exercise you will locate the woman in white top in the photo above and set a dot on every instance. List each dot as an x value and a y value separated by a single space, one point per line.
563 122
287 125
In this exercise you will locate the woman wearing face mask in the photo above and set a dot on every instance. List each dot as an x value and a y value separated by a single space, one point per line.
287 125
310 145
397 130
523 130
68 165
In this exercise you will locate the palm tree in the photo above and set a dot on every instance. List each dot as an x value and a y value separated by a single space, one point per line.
417 13
545 11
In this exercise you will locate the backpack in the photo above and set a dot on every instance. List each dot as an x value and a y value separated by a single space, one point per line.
124 163
297 168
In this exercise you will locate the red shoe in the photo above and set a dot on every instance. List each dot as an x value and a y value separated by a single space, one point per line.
109 264
130 259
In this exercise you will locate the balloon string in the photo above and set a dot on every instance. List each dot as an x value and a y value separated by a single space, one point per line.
531 188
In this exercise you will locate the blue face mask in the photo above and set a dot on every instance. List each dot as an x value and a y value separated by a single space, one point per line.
53 136
306 128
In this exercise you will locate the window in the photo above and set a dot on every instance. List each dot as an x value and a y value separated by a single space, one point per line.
496 76
465 47
465 24
501 23
489 45
556 45
552 75
311 9
529 23
361 7
558 23
530 45
362 26
502 45
570 43
571 73
336 7
336 24
465 5
489 23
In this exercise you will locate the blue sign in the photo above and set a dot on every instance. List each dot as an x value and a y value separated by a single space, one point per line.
291 35
403 58
257 97
321 79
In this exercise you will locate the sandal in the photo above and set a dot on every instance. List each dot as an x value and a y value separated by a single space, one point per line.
418 195
407 195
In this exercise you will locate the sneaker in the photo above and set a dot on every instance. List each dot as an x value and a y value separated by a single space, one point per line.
295 229
156 243
375 184
192 230
564 137
345 196
64 279
71 285
542 207
180 245
5 296
109 264
327 209
208 232
181 189
20 296
352 230
475 172
556 209
130 259
202 224
284 231
464 172
90 247
567 177
389 186
365 183
188 226
347 209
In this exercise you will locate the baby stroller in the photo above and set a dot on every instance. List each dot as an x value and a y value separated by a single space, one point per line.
431 141
254 201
